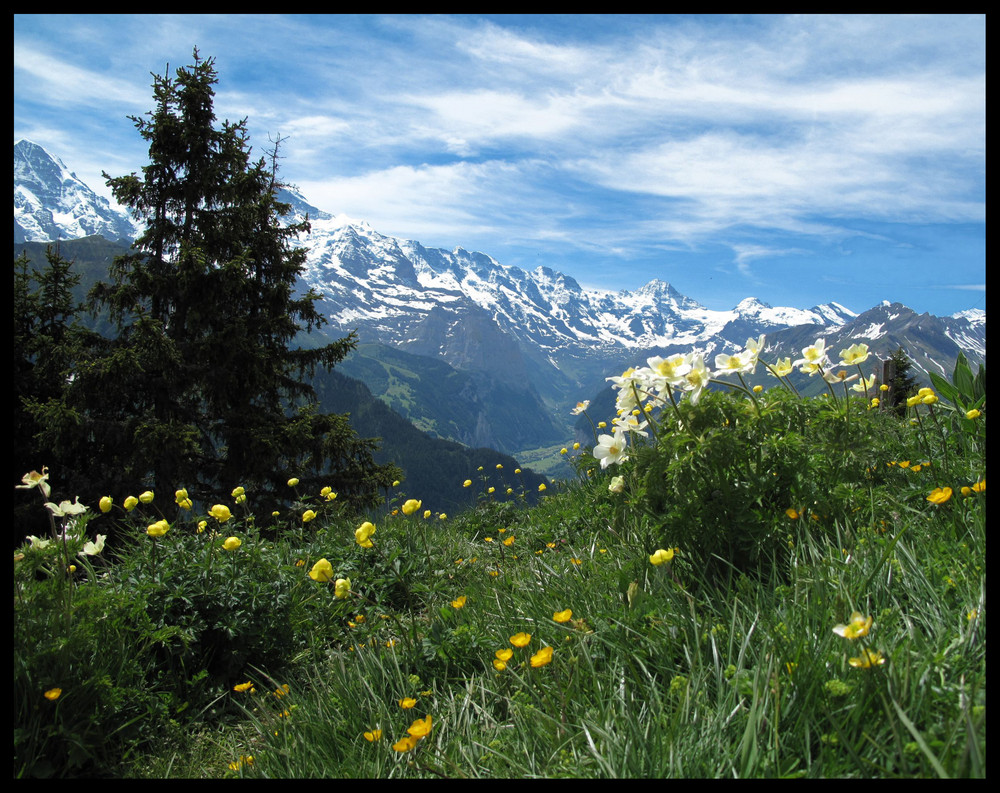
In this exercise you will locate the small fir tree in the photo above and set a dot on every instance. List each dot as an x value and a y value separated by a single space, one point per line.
201 388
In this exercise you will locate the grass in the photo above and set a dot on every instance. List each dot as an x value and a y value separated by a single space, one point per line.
787 516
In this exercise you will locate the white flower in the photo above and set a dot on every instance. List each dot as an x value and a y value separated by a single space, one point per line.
94 548
611 448
37 542
813 357
66 508
782 367
580 407
864 384
670 370
617 484
741 362
855 354
630 423
697 377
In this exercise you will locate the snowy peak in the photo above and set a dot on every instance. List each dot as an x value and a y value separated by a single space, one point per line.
51 203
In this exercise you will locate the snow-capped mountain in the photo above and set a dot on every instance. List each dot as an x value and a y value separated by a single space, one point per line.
539 332
51 203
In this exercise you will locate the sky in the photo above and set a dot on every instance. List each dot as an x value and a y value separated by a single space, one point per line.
796 159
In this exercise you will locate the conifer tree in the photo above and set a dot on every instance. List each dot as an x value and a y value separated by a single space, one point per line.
201 388
903 383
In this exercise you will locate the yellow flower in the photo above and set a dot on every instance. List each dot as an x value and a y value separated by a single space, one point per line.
407 702
868 659
661 556
792 513
158 529
232 543
563 616
220 512
858 626
427 514
130 503
541 487
410 506
420 728
241 687
293 481
939 495
53 694
509 541
520 639
980 486
374 735
362 535
504 655
308 515
855 354
499 665
105 504
973 414
443 516
322 571
542 657
405 744
146 497
202 525
342 588
459 602
467 483
35 479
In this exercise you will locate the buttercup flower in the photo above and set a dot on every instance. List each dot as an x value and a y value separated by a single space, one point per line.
405 744
661 556
53 694
857 626
232 543
563 616
241 687
407 702
342 588
458 602
939 495
374 735
520 639
504 655
420 728
542 657
362 535
868 659
410 506
322 571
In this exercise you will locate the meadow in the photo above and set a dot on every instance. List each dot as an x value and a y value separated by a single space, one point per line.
738 583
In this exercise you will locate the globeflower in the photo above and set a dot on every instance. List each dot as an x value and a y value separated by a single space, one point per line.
147 497
342 588
105 504
220 512
308 515
232 543
322 571
293 481
661 556
130 503
410 506
362 535
467 483
158 529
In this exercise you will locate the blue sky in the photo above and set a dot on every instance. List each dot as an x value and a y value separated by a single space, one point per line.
796 159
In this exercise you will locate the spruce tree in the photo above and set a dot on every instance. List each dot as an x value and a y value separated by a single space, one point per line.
903 384
202 389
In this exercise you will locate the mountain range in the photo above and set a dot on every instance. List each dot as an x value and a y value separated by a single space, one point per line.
486 354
